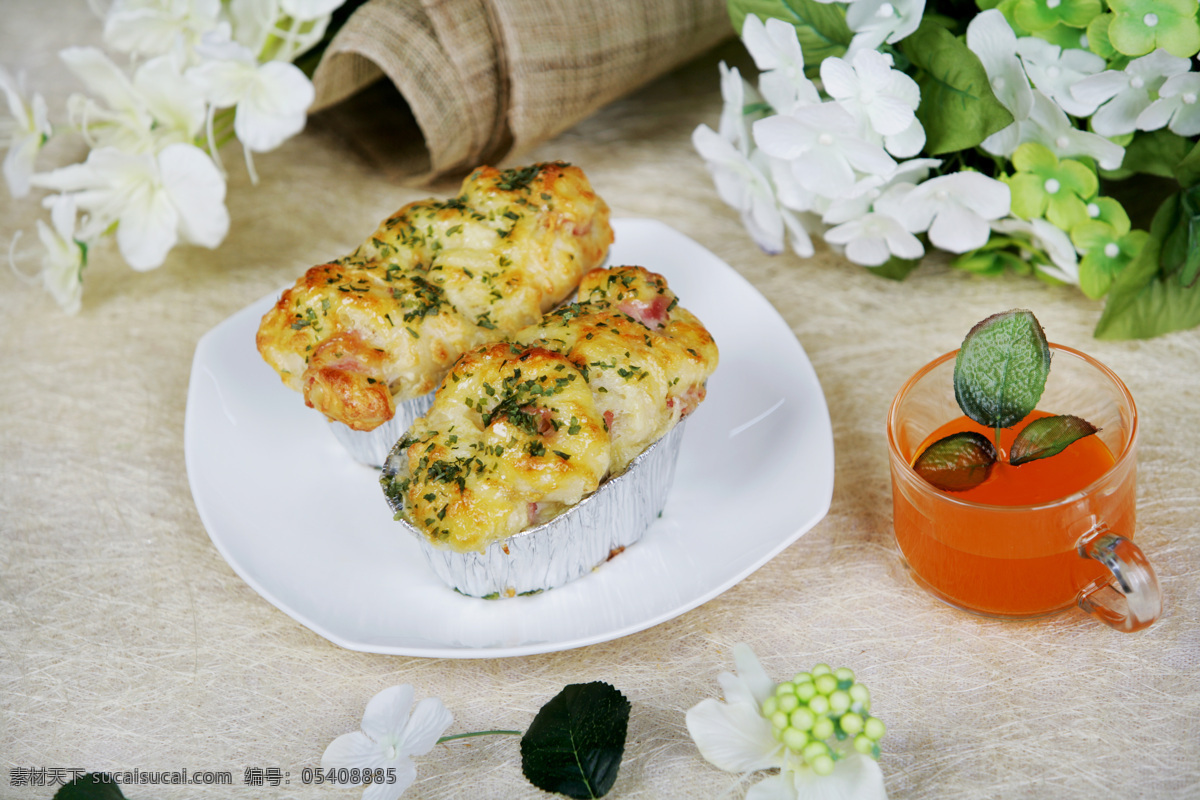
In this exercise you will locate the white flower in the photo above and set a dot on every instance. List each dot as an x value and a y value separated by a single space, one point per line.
990 37
1120 97
871 90
823 145
1054 70
389 739
272 99
25 133
1048 125
308 10
877 21
154 27
155 200
954 208
63 259
857 202
1175 107
1048 238
873 238
742 184
124 121
253 22
734 736
775 48
736 93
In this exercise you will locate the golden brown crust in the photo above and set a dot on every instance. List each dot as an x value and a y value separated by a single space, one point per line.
436 278
520 432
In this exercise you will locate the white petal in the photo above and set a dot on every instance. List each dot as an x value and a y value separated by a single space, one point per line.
172 99
897 202
764 224
352 750
991 38
1119 115
275 108
781 136
735 738
20 162
224 82
854 778
891 115
428 722
775 787
839 78
387 712
868 251
197 191
1096 89
958 229
750 670
1154 67
904 244
104 78
1186 121
824 171
310 9
148 227
987 197
801 241
1157 114
908 142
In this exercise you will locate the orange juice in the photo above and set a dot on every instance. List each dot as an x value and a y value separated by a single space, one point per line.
999 547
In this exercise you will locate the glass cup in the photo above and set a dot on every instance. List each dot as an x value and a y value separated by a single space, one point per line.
1031 560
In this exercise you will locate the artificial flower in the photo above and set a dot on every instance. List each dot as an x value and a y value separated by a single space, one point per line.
776 51
1141 26
389 738
154 200
877 21
990 37
25 133
823 146
309 10
736 736
1041 15
737 96
955 209
154 27
1121 96
874 238
1054 70
857 202
253 22
1045 245
1106 251
1049 125
867 86
271 99
1176 106
742 184
64 256
123 121
1045 186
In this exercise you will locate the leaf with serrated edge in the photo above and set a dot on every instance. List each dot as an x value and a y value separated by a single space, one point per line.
575 743
957 462
1048 436
1001 370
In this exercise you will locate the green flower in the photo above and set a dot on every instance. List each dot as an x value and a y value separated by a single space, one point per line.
1097 36
1105 251
1141 26
1039 15
1064 36
1110 212
1043 185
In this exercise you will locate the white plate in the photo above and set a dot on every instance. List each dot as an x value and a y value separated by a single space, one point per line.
309 530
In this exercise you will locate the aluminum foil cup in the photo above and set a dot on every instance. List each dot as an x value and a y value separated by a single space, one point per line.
572 544
372 447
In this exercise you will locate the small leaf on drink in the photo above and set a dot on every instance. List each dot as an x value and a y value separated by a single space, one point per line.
1001 370
957 462
1047 437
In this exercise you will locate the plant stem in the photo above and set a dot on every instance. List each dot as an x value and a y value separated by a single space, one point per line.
474 733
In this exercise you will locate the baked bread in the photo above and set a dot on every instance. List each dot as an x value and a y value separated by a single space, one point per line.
383 324
521 431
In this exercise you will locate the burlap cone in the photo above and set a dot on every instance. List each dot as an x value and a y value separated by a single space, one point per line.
486 78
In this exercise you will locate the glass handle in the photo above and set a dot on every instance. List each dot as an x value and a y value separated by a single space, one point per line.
1129 599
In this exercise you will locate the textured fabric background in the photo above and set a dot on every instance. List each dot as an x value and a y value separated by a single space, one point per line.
127 642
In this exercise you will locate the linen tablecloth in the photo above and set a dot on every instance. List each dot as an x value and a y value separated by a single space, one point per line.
127 642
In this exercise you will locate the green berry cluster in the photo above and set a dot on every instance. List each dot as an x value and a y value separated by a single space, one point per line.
820 705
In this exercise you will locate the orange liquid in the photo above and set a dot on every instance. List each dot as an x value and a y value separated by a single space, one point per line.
998 552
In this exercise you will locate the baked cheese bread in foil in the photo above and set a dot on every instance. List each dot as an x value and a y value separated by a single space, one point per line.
380 327
522 434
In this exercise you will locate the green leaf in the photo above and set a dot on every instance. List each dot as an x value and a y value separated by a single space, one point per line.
1048 436
896 268
821 28
92 786
575 743
1154 153
1001 370
1187 171
957 462
958 109
1140 303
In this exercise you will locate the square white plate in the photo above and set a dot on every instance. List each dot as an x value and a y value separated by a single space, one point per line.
308 528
